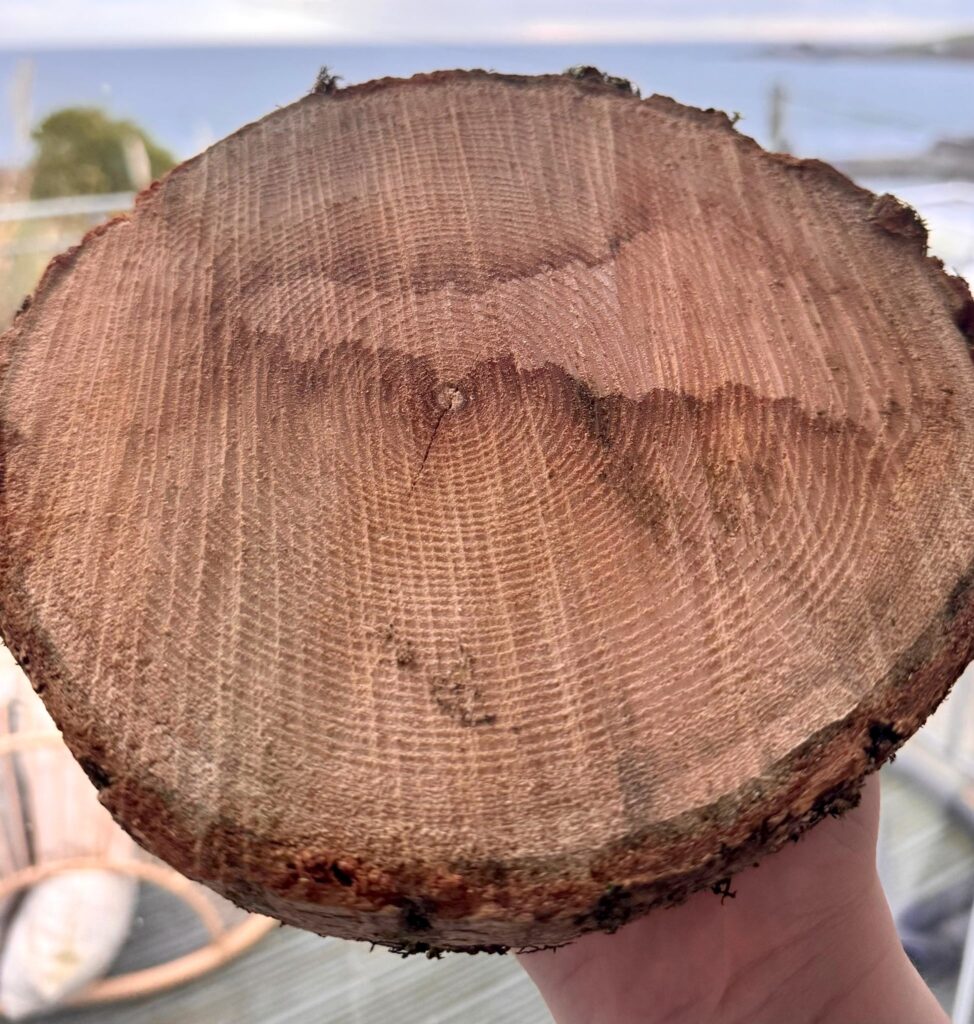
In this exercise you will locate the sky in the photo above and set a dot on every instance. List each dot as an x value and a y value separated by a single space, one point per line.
38 23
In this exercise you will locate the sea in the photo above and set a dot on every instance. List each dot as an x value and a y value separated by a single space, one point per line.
188 97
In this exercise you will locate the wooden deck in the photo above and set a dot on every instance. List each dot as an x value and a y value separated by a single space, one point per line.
292 977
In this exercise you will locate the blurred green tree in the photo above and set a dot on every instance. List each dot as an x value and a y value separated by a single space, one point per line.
80 151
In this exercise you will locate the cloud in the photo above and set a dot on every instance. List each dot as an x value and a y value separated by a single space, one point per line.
90 22
767 29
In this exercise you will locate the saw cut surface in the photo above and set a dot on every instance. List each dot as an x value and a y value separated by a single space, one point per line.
468 511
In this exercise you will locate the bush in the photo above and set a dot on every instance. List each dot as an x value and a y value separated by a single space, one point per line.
80 151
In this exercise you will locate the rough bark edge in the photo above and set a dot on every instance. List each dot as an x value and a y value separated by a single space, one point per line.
619 886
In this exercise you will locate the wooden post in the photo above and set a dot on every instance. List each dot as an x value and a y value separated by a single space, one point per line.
777 104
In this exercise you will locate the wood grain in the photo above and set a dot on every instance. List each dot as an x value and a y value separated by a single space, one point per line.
467 511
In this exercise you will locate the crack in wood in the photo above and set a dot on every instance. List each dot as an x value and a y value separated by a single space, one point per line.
449 399
426 454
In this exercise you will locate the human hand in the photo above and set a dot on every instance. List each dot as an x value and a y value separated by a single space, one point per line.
807 937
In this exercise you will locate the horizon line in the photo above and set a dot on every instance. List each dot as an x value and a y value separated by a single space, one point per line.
837 42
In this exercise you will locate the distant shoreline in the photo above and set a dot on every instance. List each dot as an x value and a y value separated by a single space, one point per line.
948 160
956 48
